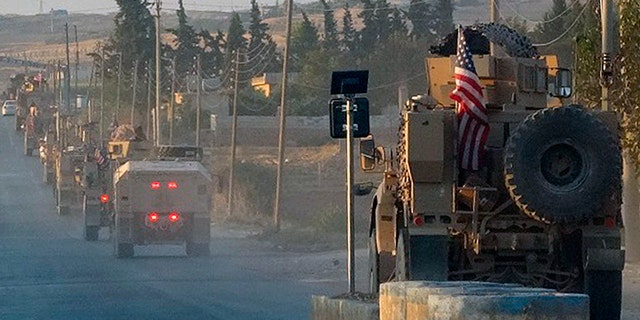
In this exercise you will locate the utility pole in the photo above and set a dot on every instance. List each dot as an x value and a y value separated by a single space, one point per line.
234 127
75 28
198 100
171 102
119 82
135 87
89 93
158 84
283 121
67 74
101 94
149 132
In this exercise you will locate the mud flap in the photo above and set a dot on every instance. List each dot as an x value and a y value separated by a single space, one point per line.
429 257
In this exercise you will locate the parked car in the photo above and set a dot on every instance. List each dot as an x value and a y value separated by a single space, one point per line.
9 108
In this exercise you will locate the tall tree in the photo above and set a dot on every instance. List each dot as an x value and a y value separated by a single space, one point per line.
554 23
262 48
330 39
304 39
348 42
186 43
444 13
418 14
234 43
134 35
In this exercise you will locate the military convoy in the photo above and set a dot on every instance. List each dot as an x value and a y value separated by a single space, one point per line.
106 178
543 209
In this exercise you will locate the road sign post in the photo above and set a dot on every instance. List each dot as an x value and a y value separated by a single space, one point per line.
348 84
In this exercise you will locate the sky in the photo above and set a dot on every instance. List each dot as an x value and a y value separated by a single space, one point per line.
31 7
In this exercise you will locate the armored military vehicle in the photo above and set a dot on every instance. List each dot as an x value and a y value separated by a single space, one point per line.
541 209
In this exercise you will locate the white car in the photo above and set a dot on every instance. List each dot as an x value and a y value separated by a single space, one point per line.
9 108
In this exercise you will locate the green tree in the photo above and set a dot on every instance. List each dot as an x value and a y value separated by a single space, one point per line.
349 36
443 22
330 39
134 34
262 49
304 39
234 45
554 23
418 14
186 44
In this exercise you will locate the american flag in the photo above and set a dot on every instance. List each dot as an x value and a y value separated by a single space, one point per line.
99 157
473 125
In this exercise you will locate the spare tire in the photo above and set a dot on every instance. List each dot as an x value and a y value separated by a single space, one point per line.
563 165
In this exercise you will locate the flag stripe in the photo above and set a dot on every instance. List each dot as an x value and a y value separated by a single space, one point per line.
473 125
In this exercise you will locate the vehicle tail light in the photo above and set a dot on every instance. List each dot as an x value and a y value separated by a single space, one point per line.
155 185
153 217
104 198
172 185
418 221
174 217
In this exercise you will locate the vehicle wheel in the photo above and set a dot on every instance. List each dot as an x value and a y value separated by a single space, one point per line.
559 157
124 250
195 249
605 294
403 258
91 233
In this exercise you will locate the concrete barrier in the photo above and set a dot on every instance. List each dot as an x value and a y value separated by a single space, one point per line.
327 308
451 300
415 300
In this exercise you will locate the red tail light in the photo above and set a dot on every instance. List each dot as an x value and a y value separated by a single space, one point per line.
418 221
153 217
104 198
172 185
155 185
174 217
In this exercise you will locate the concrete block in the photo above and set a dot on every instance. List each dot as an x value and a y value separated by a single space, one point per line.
327 308
516 305
398 299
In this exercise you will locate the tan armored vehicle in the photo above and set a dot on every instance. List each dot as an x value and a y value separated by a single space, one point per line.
542 210
162 202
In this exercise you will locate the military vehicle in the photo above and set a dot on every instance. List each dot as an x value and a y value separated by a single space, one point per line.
544 207
162 201
95 177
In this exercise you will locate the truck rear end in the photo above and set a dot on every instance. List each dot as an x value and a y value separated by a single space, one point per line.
162 202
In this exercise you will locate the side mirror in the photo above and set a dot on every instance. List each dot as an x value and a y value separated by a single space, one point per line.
367 153
563 84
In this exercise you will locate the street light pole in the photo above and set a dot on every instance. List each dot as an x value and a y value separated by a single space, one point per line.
158 84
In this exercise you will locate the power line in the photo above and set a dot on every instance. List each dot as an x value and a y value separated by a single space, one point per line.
567 30
514 10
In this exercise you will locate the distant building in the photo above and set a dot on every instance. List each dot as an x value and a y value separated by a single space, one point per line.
268 82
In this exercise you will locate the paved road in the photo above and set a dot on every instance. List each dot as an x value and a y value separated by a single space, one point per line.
47 271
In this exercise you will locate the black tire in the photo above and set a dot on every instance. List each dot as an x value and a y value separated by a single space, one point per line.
195 249
188 152
124 250
381 265
91 233
374 263
563 165
605 294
